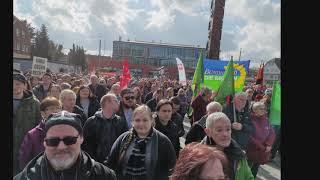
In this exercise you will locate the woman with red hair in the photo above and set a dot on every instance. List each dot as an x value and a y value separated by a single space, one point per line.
200 162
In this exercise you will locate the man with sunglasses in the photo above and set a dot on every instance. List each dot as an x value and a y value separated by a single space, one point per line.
63 157
127 105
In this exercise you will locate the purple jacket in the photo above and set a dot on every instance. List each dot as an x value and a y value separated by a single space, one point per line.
262 136
32 145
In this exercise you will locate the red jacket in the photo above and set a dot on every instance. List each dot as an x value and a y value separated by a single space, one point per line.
262 136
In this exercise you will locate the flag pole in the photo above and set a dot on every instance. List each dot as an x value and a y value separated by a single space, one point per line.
233 95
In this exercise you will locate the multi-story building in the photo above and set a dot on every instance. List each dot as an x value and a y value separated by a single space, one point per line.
156 55
272 71
21 39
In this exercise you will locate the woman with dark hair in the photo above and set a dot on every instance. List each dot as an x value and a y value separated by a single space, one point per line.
87 101
200 162
143 152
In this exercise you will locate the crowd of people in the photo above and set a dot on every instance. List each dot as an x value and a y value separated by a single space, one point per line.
132 133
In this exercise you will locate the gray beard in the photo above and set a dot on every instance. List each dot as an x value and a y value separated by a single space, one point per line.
59 164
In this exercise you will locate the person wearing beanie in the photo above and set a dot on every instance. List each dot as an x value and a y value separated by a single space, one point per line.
26 114
62 157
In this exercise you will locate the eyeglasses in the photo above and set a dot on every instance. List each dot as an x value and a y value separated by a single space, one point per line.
68 140
129 97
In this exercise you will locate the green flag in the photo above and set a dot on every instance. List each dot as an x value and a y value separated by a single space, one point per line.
227 86
197 81
275 109
198 77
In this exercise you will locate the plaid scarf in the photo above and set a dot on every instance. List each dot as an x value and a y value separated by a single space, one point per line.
136 167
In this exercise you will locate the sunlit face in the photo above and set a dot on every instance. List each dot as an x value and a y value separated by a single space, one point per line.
142 123
84 93
220 132
18 87
260 111
94 80
46 80
55 92
170 93
128 100
113 103
62 156
212 170
240 102
175 108
249 93
69 102
165 112
34 82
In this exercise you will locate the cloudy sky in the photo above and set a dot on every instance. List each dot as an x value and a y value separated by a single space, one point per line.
252 25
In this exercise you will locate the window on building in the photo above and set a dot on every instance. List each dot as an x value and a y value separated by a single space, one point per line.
17 32
22 34
18 46
22 47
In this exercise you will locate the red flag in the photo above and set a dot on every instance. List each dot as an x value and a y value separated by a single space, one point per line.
259 77
125 78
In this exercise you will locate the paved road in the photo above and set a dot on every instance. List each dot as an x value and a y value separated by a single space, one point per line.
270 171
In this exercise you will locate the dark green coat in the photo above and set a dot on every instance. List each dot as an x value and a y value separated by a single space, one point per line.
26 117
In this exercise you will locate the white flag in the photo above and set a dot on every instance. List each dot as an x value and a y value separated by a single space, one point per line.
182 74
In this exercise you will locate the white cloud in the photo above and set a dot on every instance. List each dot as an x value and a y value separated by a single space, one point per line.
260 36
164 17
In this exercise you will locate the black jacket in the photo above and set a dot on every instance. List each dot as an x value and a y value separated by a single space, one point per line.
79 110
152 104
241 137
178 120
39 92
148 97
171 131
196 132
233 152
163 156
94 105
99 91
88 169
100 133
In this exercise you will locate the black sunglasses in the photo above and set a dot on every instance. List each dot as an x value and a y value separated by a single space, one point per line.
68 140
129 97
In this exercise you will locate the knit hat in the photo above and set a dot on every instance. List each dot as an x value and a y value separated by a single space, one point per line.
19 77
64 117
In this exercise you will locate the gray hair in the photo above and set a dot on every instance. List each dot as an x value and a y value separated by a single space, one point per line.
241 94
214 107
65 93
212 118
257 105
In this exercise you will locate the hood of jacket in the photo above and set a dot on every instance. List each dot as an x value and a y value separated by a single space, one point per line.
233 151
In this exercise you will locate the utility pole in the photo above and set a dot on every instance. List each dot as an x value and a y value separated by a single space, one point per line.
240 54
99 53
